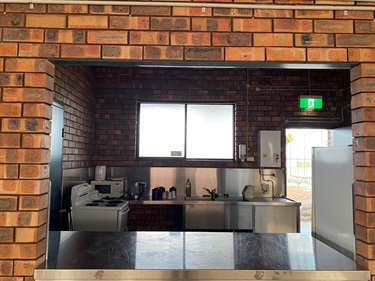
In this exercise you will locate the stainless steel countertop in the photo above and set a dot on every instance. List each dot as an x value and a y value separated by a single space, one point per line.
193 256
221 200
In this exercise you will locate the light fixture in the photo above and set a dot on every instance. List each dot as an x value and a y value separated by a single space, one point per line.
31 5
345 12
203 9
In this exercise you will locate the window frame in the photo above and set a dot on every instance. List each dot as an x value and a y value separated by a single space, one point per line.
185 103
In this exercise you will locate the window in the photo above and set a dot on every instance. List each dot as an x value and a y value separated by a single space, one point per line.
191 131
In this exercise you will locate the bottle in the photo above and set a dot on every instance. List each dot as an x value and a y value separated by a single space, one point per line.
188 188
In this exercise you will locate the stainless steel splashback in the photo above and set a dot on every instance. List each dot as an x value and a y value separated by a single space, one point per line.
225 180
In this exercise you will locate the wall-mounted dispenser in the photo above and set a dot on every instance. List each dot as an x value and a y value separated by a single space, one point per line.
242 153
269 149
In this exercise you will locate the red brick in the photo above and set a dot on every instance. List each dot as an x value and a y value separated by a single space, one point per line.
365 234
286 54
243 13
33 202
355 40
365 250
36 141
65 36
150 11
23 35
231 39
364 129
363 85
361 55
10 140
363 100
107 37
362 70
8 49
252 25
364 144
364 218
244 54
364 26
211 24
292 25
89 22
8 203
34 186
137 23
9 186
29 65
363 114
25 125
333 26
27 95
204 53
8 171
39 50
27 219
364 173
25 8
269 13
327 55
35 234
46 21
12 20
191 11
37 110
80 51
191 39
318 14
149 38
34 171
11 79
10 110
354 15
314 40
122 52
113 9
273 39
6 268
170 23
26 267
163 53
68 9
39 80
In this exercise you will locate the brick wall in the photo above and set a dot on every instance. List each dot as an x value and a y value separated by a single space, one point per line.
28 37
74 90
155 217
25 113
363 112
269 108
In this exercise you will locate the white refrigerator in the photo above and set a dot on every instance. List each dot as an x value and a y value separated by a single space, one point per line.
332 198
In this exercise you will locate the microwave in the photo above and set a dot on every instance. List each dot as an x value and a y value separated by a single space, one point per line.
108 188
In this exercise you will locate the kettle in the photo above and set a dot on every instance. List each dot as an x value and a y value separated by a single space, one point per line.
138 189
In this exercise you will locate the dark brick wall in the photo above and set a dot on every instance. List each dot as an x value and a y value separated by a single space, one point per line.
118 90
155 217
74 90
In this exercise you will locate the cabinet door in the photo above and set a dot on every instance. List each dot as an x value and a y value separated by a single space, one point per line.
238 217
204 216
276 219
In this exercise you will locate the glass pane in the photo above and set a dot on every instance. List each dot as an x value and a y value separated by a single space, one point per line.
210 131
161 130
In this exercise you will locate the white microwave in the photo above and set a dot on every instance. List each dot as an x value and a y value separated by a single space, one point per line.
110 189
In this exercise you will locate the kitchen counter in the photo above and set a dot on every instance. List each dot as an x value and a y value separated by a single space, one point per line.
193 256
281 201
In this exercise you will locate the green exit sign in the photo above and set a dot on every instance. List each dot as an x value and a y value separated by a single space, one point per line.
310 102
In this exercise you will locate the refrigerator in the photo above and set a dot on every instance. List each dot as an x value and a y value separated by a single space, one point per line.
332 198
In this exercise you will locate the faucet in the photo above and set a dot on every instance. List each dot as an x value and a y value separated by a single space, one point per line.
212 193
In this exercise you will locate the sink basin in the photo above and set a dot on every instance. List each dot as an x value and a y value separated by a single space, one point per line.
207 198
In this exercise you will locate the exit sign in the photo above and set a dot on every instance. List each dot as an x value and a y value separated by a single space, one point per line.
310 102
